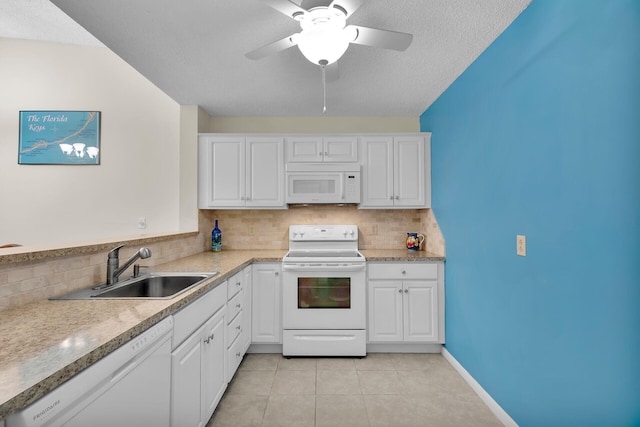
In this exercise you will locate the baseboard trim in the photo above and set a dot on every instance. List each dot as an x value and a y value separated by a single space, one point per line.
486 397
403 348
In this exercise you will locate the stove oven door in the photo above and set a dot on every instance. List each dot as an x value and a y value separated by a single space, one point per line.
323 296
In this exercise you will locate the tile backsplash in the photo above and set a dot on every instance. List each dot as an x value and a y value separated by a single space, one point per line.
378 228
27 281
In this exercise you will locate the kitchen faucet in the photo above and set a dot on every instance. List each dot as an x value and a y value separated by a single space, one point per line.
113 269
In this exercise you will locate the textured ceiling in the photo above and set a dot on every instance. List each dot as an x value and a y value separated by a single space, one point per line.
194 50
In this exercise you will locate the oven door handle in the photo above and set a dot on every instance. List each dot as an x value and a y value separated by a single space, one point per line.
323 267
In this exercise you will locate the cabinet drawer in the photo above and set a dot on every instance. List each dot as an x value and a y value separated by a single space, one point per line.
403 270
234 357
233 329
234 307
234 285
191 317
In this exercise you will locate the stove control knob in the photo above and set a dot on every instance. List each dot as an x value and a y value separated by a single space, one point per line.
352 232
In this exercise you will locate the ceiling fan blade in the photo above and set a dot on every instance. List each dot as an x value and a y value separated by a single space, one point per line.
349 6
287 7
332 72
272 48
381 38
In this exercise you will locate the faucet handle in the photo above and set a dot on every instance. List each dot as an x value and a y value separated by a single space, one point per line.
113 253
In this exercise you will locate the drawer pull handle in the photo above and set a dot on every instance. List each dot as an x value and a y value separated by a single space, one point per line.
209 338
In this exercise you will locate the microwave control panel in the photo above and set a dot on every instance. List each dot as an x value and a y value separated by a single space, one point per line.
352 187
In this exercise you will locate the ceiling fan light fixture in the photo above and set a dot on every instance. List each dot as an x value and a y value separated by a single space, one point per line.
323 39
320 45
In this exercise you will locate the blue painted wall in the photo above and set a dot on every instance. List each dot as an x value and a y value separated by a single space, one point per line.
541 136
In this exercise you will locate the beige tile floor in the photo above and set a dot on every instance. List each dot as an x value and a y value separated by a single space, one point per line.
383 389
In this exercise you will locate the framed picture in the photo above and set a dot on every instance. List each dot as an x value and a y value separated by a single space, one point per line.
59 138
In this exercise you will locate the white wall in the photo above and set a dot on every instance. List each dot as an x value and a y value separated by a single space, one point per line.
140 148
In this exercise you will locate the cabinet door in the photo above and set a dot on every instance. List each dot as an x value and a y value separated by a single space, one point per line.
304 149
186 382
221 175
266 321
340 149
377 171
265 172
213 352
409 172
420 310
385 310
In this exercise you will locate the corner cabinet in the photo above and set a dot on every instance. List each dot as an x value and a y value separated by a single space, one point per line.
396 171
406 302
237 171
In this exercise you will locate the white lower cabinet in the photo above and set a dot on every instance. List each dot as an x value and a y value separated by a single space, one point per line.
266 312
198 377
406 302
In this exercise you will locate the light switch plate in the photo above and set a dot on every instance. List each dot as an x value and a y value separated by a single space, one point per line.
521 245
142 222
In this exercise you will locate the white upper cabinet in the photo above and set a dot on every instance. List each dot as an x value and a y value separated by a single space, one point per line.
265 172
240 172
322 149
396 171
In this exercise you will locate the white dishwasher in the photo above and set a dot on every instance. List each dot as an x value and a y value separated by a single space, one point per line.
130 386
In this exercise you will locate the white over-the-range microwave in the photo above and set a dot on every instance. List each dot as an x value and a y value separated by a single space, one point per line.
323 183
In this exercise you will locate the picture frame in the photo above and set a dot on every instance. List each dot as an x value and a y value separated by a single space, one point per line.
59 138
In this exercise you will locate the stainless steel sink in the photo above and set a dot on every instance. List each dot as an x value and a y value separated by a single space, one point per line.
149 286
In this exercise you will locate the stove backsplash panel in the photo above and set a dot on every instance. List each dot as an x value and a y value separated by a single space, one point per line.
378 229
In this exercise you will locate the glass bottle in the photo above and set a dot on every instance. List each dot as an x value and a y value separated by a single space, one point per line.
216 238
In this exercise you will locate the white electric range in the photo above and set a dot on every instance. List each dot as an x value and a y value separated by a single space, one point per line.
323 292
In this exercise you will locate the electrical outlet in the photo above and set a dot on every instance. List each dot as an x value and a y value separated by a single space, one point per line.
521 245
142 222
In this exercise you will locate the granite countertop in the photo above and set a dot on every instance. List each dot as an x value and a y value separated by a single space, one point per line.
399 255
43 344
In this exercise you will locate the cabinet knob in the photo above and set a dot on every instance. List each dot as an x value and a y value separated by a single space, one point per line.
238 283
404 271
406 291
237 305
397 197
277 273
238 327
390 197
238 354
400 291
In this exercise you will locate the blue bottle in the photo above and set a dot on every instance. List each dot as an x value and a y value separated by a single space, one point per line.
216 238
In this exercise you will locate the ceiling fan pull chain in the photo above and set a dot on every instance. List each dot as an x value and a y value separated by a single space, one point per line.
323 65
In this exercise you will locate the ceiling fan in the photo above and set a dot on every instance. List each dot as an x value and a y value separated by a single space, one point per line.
325 35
